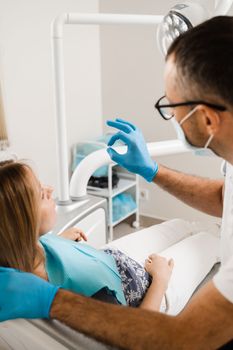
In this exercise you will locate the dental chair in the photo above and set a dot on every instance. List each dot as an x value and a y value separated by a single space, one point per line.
195 250
194 246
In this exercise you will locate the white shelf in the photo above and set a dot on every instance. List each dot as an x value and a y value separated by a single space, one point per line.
124 217
123 185
128 182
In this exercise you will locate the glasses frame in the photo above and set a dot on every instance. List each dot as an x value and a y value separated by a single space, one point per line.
187 103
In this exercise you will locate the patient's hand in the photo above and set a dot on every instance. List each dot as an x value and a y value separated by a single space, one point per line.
159 268
74 233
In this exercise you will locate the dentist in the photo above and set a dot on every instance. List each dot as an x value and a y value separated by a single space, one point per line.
199 100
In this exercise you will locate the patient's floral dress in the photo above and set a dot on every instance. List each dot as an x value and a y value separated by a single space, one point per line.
134 278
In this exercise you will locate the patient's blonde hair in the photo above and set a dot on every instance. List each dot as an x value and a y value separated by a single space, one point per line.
4 143
19 217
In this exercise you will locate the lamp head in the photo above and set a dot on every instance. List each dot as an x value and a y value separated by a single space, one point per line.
179 19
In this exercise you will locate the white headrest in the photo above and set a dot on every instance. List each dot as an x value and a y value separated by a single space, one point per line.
7 154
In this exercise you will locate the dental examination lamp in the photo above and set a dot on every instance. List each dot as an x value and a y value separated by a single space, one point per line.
180 18
185 16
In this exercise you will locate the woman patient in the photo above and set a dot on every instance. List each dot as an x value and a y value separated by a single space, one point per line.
25 244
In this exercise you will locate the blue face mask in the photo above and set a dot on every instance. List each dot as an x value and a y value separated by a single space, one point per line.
199 151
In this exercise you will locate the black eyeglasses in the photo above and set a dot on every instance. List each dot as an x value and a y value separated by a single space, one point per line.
166 109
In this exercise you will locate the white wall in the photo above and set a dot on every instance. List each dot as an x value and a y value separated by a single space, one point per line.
132 82
26 76
132 71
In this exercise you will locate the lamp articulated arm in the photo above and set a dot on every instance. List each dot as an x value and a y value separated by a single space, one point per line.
83 172
59 81
222 7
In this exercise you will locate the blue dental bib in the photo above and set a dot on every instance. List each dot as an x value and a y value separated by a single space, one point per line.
79 267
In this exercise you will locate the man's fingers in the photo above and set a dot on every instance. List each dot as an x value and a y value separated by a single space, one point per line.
120 126
126 122
119 136
116 157
113 139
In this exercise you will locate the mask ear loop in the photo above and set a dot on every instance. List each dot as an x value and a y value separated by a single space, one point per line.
188 115
209 141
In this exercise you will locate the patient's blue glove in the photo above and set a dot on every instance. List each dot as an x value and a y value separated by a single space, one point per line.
24 295
137 158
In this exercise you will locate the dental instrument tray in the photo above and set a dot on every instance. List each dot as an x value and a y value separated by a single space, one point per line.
102 181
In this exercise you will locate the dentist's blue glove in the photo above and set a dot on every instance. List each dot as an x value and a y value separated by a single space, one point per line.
24 295
136 159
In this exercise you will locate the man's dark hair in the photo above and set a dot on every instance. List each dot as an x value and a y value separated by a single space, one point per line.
204 59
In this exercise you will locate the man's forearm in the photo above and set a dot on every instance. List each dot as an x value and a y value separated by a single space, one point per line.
199 193
120 326
206 323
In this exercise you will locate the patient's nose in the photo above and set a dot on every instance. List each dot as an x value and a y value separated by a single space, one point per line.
48 190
